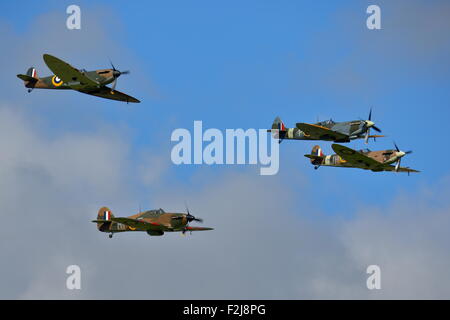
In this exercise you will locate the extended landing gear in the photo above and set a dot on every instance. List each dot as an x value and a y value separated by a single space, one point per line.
183 233
316 167
110 235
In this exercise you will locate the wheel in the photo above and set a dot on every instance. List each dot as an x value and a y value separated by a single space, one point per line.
110 235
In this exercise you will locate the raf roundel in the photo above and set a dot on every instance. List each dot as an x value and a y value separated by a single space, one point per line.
56 81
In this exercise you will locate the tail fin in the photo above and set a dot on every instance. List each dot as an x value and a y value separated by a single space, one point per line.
317 151
278 129
32 72
103 217
30 78
316 156
278 124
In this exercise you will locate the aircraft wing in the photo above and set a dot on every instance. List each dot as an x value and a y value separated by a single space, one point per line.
67 73
356 158
198 229
401 169
108 93
134 223
318 132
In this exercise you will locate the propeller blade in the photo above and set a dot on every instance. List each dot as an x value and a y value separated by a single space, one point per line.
112 65
187 208
366 138
114 84
125 72
370 114
198 220
376 129
397 166
408 152
396 147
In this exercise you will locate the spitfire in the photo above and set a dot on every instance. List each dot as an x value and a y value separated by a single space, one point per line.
67 77
345 157
154 222
328 130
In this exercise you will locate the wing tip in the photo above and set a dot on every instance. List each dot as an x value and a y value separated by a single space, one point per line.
47 56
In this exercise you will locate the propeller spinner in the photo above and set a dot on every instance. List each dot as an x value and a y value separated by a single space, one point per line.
400 154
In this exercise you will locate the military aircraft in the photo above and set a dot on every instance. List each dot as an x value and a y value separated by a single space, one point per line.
154 222
363 159
67 77
326 130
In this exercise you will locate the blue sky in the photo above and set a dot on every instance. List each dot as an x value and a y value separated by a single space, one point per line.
239 64
234 64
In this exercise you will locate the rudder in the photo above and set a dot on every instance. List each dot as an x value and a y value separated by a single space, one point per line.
278 129
32 72
104 214
103 218
278 124
316 155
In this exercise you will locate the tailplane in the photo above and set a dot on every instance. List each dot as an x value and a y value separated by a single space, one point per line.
30 78
317 157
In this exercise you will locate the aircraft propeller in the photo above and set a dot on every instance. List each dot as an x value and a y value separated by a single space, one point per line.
400 154
369 124
116 74
189 218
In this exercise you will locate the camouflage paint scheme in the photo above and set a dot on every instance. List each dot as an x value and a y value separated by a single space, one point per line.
364 159
325 130
154 222
67 77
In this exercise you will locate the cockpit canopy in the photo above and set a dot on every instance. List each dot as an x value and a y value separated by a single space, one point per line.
326 123
152 213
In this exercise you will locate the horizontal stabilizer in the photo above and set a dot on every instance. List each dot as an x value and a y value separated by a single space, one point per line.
311 156
100 221
24 77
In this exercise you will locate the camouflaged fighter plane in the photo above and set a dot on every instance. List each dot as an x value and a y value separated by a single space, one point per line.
154 222
363 159
326 130
67 77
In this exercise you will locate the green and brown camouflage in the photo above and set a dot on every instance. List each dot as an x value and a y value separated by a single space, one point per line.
154 222
328 130
67 77
345 157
